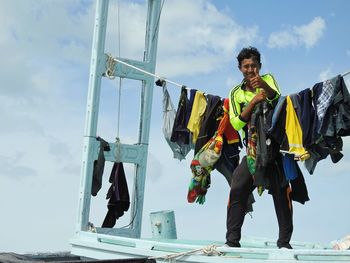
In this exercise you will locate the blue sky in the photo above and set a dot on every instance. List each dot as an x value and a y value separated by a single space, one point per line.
47 47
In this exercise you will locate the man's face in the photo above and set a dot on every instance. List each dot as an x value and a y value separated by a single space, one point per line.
249 68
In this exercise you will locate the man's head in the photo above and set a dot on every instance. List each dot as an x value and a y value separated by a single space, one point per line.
249 62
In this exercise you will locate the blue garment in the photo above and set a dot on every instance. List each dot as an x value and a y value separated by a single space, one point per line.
276 112
289 166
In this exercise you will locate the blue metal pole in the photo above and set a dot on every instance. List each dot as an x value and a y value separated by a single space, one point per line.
146 110
97 67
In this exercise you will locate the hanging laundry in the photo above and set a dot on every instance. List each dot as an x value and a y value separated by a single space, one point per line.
299 189
190 104
294 132
289 166
209 122
331 100
336 120
305 111
180 133
261 150
197 114
118 195
278 124
201 166
323 93
99 166
229 158
230 133
169 114
327 146
208 157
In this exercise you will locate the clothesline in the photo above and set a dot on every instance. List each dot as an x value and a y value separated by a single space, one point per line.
148 73
162 78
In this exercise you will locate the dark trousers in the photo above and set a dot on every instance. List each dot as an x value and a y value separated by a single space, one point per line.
241 187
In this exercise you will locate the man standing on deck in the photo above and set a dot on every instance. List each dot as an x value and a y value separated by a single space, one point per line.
244 98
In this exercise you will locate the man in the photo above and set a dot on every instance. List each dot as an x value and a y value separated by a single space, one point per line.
244 98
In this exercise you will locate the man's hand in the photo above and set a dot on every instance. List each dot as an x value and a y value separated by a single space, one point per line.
258 98
255 81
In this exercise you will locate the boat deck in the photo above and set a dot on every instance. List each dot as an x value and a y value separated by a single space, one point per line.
253 250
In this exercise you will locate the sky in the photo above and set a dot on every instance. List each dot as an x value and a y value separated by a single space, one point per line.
46 50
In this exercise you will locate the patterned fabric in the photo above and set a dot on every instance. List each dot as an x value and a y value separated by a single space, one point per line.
252 151
201 167
251 148
200 181
324 98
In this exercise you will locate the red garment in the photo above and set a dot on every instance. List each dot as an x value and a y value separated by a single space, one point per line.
230 133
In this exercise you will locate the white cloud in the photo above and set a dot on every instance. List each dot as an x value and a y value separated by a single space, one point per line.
188 44
12 167
310 34
305 35
282 39
326 74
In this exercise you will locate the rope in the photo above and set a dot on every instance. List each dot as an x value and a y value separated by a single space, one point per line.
208 251
110 65
112 61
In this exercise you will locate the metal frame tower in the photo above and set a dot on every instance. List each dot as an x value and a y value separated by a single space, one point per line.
126 153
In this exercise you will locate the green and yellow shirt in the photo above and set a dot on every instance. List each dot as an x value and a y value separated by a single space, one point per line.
239 98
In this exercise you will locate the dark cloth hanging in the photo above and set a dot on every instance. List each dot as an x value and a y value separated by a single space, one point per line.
99 166
299 189
262 150
169 114
307 114
331 101
118 195
336 121
327 146
210 121
228 160
190 104
180 133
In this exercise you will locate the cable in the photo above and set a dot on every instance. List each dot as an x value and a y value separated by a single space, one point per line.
346 73
146 72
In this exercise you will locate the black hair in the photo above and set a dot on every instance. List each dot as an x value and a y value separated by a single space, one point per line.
248 52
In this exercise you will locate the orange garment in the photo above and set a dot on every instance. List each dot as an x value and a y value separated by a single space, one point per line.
231 134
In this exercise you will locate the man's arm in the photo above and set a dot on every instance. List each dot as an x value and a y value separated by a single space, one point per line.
240 118
247 112
258 82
